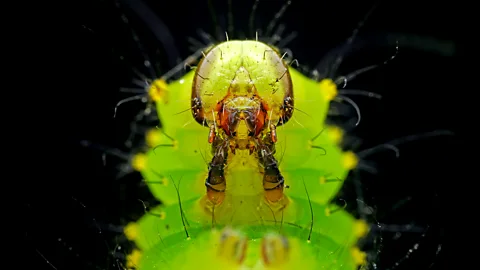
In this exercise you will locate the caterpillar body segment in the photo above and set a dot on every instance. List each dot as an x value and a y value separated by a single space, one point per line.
330 220
211 249
176 148
163 240
308 148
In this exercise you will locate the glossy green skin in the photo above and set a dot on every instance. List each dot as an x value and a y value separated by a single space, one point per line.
200 251
184 166
339 226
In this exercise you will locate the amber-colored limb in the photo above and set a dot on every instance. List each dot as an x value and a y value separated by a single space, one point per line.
211 134
286 110
215 181
197 110
273 133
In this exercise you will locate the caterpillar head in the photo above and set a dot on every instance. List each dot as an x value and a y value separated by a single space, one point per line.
242 88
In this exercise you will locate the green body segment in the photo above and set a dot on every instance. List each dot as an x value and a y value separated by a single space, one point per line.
329 220
163 238
201 252
182 159
305 148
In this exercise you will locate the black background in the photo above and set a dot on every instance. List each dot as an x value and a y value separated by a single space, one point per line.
419 89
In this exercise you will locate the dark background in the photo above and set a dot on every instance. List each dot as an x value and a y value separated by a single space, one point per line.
73 212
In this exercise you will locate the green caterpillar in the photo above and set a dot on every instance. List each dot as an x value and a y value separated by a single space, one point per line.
281 170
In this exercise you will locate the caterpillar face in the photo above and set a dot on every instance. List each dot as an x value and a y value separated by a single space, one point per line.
242 87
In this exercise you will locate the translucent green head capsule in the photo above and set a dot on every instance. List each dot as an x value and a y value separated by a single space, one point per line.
242 81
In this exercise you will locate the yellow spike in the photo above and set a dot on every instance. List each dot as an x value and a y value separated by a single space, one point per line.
328 88
162 215
335 134
359 256
350 160
323 180
360 228
153 137
158 91
175 144
131 231
164 181
133 258
139 162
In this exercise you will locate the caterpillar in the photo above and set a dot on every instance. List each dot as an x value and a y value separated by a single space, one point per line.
243 199
182 148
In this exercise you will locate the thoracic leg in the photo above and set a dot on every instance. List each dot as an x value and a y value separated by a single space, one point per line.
273 180
215 181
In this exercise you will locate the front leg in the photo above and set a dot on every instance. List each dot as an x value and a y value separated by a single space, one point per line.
273 181
215 181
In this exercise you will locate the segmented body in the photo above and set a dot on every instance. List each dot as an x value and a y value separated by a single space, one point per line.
254 154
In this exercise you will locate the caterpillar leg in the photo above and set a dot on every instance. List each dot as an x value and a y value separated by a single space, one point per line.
215 181
273 181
